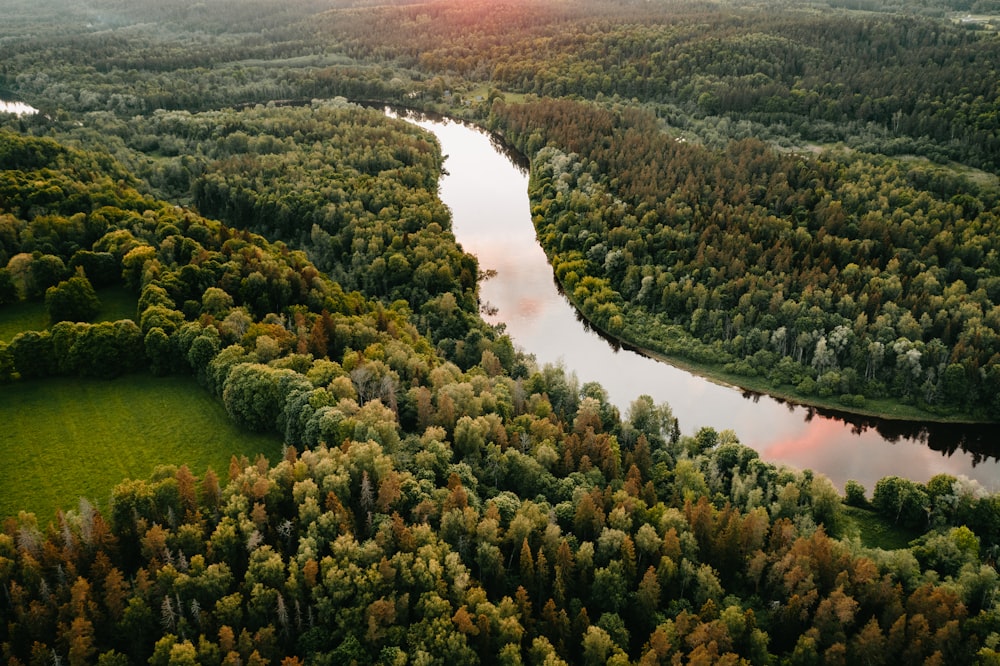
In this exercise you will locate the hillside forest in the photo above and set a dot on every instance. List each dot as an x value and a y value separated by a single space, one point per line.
732 184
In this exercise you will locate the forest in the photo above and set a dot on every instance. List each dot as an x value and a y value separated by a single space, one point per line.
733 184
847 278
496 513
786 147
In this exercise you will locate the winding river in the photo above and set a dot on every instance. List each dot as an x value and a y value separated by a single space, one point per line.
486 190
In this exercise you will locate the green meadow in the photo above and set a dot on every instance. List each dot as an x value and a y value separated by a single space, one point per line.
116 303
62 439
875 531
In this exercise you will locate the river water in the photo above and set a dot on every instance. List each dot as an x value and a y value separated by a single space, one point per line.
487 194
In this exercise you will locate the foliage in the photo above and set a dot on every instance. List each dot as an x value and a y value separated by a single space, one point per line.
72 300
440 497
438 513
768 264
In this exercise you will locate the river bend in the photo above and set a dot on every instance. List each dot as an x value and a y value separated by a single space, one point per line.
488 197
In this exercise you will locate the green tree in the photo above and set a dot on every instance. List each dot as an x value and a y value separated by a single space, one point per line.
45 271
7 367
32 354
255 394
101 268
598 647
72 300
901 500
854 494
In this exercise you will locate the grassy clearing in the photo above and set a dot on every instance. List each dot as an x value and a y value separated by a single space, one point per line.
483 90
23 316
63 439
874 531
116 303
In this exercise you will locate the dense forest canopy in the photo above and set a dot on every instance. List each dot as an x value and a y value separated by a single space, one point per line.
759 188
499 513
841 276
723 129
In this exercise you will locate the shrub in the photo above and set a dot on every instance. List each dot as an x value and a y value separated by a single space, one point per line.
72 300
854 494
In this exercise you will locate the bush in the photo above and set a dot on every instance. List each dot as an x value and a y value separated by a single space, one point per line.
854 494
72 300
852 400
807 386
902 501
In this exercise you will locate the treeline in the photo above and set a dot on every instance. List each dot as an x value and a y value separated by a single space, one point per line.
386 552
356 191
839 276
65 66
799 75
812 75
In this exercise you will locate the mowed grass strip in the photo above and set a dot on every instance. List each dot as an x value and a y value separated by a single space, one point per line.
62 439
116 303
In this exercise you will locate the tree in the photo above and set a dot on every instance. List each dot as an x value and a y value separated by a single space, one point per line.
255 394
44 271
32 354
159 351
901 500
72 300
648 596
101 268
598 646
854 494
610 589
81 641
7 368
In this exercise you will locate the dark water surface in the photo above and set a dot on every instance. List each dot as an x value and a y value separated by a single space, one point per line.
487 194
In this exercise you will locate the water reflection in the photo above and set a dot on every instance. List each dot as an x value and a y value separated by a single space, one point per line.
492 219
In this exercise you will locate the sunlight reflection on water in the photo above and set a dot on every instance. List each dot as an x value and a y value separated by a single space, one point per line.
488 199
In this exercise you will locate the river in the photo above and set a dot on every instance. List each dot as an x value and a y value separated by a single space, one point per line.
488 197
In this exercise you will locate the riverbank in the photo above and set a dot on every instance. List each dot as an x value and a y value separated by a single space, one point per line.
875 408
667 343
488 198
880 408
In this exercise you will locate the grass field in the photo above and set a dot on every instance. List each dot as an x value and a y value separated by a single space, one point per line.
116 303
63 439
874 531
